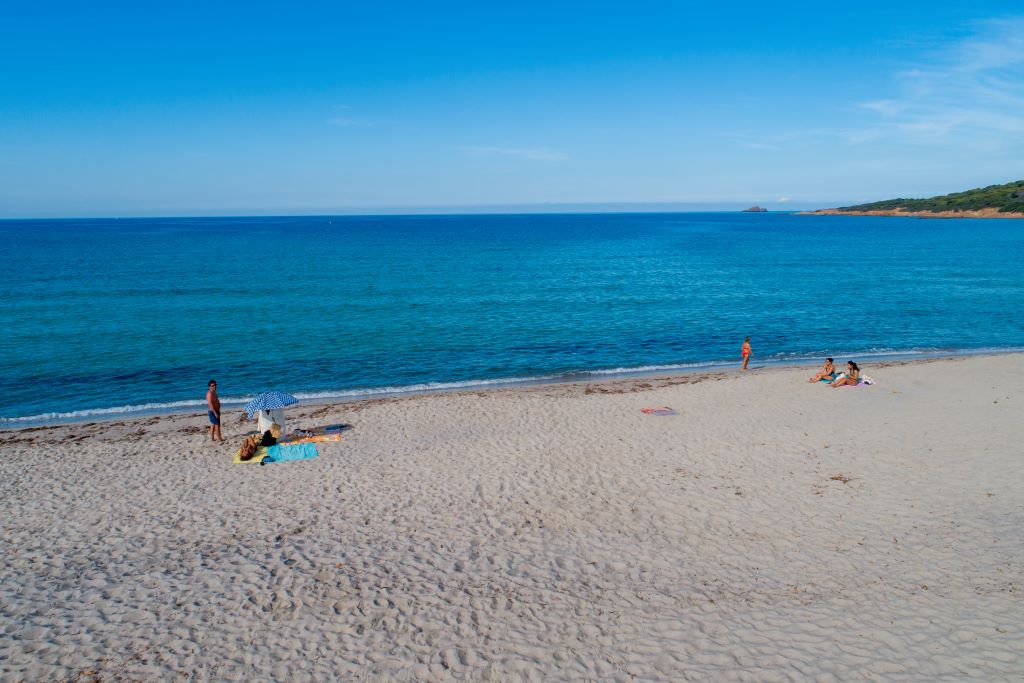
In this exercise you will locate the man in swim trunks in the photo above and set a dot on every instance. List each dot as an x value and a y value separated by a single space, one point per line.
213 403
746 352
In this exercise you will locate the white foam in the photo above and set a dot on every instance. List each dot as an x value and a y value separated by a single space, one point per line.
655 368
97 412
115 411
426 387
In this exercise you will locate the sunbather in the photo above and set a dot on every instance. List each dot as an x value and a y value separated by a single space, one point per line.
249 448
828 371
850 377
255 442
271 436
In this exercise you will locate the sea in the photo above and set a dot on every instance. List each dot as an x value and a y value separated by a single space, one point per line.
105 318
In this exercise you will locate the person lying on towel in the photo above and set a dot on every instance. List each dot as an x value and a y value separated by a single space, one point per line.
254 443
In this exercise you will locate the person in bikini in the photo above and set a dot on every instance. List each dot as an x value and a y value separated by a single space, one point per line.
746 352
828 371
850 378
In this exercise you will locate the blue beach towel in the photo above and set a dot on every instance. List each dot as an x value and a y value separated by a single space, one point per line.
302 451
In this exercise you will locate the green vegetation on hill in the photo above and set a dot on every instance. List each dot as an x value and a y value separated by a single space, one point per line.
1008 198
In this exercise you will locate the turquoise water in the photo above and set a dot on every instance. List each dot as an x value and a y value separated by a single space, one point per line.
101 317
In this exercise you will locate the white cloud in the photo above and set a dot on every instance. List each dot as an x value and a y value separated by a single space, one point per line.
533 154
777 141
972 87
883 107
999 43
970 91
342 121
856 136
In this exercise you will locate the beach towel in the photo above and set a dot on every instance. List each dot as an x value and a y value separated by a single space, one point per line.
261 453
293 439
317 435
658 411
302 451
862 382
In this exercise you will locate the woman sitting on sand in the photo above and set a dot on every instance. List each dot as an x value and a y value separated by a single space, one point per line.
271 436
828 371
850 377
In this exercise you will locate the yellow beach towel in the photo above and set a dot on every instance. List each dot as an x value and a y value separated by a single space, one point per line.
258 458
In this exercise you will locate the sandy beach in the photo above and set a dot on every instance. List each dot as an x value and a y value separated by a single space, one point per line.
773 530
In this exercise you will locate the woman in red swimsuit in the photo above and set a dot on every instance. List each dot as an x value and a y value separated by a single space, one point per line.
746 352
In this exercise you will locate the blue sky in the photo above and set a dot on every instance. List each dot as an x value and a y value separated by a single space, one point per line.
211 108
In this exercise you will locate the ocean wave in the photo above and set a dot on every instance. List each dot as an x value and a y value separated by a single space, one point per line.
433 387
426 387
888 352
76 415
238 402
122 411
656 368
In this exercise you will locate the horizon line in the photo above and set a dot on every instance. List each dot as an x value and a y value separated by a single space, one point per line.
449 209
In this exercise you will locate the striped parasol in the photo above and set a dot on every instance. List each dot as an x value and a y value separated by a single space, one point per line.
269 400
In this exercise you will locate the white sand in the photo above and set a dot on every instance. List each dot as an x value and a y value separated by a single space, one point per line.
774 530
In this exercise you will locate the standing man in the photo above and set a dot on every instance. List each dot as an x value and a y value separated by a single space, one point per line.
746 352
213 403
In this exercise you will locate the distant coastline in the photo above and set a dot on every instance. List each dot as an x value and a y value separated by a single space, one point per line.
994 201
977 213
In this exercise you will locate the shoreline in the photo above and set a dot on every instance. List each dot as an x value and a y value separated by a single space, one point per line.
131 412
629 382
978 213
769 529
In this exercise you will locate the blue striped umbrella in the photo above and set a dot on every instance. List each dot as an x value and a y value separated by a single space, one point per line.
269 400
